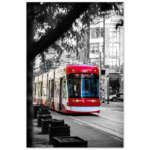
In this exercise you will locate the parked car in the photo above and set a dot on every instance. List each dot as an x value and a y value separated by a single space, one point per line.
115 97
111 97
120 96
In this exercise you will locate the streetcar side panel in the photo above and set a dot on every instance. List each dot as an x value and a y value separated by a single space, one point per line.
40 85
36 90
59 100
44 90
51 77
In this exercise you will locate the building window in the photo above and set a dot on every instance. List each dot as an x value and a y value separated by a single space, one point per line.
114 49
113 63
94 48
95 33
114 35
102 32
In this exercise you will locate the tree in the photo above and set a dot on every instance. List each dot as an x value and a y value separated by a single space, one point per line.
33 48
49 15
60 26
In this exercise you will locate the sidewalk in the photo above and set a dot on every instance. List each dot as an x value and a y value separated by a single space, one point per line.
112 105
113 111
39 139
109 111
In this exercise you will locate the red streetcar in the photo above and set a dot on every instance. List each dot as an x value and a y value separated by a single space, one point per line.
70 89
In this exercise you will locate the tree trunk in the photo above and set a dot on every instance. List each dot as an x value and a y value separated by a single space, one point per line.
29 101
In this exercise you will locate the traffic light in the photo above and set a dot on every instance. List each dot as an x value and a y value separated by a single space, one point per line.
102 72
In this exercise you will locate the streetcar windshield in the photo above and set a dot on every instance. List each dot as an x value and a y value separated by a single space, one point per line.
83 85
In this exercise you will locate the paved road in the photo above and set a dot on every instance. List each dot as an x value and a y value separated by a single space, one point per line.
98 131
113 111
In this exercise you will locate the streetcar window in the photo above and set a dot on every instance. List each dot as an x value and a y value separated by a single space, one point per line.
52 88
41 88
35 89
64 90
83 85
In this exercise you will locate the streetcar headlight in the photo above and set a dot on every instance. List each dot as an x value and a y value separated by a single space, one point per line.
73 100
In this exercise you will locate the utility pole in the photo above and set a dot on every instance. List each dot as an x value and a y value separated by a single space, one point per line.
108 65
88 42
100 68
107 78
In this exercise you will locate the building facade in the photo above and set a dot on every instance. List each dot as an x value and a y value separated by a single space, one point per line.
114 45
105 44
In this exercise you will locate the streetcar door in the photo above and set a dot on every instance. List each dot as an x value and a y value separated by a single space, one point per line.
49 93
60 102
52 94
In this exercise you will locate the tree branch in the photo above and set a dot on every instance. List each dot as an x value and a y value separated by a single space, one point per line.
37 47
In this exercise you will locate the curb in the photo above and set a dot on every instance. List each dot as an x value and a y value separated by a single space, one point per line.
111 105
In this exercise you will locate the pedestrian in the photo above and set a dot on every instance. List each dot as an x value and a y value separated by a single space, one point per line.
103 96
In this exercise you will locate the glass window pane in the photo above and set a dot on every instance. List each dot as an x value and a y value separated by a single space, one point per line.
117 46
114 49
117 62
97 32
101 49
92 46
110 62
92 33
110 34
110 53
114 62
118 54
83 85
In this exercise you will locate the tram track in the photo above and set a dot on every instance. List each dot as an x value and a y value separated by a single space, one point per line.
96 123
98 126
